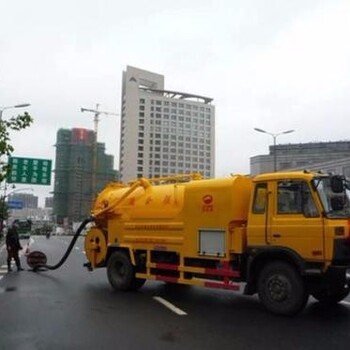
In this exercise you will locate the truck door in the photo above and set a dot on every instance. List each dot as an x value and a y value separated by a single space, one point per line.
296 222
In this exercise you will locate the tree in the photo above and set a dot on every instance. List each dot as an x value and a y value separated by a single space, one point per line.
12 124
15 124
4 211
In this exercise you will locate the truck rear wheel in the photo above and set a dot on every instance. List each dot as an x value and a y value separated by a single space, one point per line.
121 273
281 289
323 297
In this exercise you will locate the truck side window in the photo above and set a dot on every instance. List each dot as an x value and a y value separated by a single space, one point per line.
260 198
294 197
287 202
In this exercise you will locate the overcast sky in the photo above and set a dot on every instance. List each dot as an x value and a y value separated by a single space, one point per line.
271 64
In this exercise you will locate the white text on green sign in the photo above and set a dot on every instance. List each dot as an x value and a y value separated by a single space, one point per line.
30 171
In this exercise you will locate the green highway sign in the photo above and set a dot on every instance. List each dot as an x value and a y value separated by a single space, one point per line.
29 171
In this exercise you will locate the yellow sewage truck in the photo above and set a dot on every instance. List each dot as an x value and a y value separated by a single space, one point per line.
282 235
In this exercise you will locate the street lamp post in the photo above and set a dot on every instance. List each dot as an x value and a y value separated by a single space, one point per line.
274 143
18 190
15 106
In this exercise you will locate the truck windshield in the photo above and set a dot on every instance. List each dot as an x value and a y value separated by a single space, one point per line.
335 205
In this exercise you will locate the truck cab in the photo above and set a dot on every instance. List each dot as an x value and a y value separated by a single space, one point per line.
301 219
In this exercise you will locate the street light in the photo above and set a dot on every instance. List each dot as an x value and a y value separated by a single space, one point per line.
274 143
5 195
19 190
15 106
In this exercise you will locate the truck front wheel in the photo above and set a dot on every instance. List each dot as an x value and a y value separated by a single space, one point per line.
281 289
121 273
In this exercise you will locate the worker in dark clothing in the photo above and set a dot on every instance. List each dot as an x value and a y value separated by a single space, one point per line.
13 246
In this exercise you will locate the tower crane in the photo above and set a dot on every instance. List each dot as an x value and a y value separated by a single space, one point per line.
97 114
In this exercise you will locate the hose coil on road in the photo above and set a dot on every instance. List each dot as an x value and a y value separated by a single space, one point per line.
45 267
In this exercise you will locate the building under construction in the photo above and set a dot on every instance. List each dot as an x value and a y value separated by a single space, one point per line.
78 175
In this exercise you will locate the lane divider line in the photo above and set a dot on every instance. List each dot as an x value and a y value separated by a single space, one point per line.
345 302
170 306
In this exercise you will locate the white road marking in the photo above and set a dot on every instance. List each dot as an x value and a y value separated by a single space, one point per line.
170 306
345 302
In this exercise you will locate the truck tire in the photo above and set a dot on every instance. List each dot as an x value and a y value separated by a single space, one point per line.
121 273
281 289
323 297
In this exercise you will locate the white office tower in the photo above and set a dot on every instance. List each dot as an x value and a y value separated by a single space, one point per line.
164 132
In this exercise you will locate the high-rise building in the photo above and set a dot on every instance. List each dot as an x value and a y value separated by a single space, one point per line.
73 192
164 132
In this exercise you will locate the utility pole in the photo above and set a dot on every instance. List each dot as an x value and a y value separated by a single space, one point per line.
97 114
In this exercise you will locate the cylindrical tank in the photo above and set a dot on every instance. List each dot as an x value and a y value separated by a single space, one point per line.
142 200
167 216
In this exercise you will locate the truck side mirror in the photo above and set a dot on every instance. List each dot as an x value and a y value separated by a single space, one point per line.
337 184
337 203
